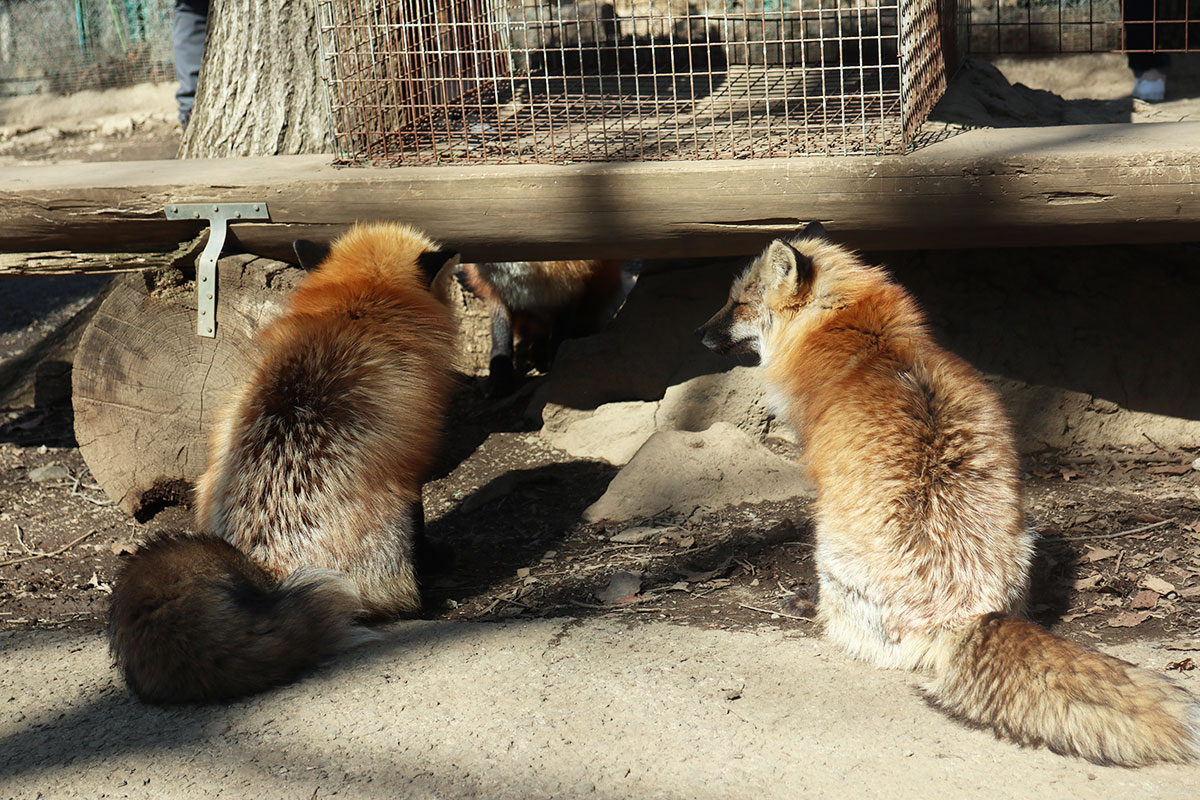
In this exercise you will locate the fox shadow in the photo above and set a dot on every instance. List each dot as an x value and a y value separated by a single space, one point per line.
506 524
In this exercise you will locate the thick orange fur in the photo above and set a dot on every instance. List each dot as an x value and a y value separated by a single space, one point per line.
922 554
311 500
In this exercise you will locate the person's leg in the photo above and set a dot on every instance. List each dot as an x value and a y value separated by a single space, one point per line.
190 24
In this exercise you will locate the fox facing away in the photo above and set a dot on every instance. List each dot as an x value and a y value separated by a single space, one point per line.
540 303
310 508
922 556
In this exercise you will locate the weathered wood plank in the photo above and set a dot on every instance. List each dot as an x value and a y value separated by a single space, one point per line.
1020 186
69 262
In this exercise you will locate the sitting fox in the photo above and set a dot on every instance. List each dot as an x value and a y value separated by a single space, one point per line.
922 555
311 504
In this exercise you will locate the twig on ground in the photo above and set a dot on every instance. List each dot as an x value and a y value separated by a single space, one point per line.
36 554
1131 531
92 500
777 613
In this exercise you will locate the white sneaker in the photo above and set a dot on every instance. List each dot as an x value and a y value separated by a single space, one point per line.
1150 86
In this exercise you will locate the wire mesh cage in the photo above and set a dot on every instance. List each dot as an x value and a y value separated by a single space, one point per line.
62 46
1082 26
512 81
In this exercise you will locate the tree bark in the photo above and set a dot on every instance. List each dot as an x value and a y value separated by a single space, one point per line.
261 92
145 386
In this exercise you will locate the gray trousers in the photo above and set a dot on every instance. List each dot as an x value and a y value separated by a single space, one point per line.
190 23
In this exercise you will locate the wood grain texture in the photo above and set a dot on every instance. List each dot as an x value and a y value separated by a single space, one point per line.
1014 187
146 387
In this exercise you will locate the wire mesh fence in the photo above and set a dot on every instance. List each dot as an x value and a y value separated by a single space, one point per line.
63 46
509 81
1082 26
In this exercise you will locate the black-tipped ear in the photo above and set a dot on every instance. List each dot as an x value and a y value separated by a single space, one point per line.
311 254
813 230
433 261
785 261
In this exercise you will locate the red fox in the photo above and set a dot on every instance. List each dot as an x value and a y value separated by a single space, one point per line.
310 507
542 303
922 555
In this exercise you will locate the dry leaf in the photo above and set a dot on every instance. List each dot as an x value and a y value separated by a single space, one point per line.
1182 644
1128 619
1147 518
1156 585
1095 554
1144 599
123 548
1183 666
621 587
1068 474
700 577
1090 582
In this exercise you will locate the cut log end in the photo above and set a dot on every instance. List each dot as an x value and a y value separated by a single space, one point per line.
146 387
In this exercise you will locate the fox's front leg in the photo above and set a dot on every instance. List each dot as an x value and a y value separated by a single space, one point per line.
501 374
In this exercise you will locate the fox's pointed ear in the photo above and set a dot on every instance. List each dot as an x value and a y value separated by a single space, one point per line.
785 263
432 262
311 254
813 230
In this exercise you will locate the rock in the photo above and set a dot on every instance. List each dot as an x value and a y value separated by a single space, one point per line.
613 432
49 474
622 586
681 471
1049 418
735 396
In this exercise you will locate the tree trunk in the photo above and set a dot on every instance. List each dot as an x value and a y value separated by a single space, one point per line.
261 92
145 386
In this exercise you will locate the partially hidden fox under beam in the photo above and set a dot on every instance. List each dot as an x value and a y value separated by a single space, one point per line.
922 555
540 304
310 508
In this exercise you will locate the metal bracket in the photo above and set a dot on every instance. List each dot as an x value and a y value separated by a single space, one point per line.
218 216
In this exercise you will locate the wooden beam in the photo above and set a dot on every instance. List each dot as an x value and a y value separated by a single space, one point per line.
70 262
1090 184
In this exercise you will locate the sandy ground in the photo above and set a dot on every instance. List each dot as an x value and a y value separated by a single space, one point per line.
523 682
552 708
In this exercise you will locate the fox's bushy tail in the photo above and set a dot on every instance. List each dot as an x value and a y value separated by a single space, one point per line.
193 620
1035 688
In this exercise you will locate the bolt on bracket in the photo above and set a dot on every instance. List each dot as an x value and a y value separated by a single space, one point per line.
218 216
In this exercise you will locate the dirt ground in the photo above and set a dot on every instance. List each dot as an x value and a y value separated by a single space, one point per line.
1119 552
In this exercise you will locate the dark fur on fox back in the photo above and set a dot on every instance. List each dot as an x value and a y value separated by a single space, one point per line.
178 579
312 497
